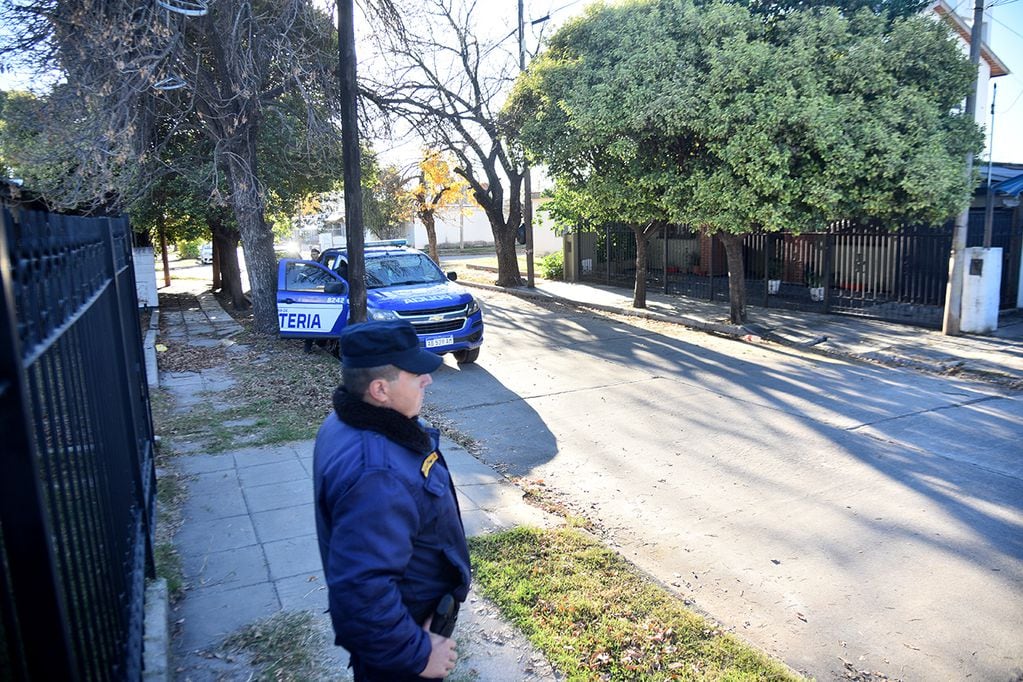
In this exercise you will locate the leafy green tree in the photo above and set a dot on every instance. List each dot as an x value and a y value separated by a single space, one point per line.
661 111
388 206
892 9
136 73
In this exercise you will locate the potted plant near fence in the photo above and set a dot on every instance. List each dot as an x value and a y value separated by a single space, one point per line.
774 276
814 281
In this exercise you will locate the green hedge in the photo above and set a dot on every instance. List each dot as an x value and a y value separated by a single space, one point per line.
552 266
189 248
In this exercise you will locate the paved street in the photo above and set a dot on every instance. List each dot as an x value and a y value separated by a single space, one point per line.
840 516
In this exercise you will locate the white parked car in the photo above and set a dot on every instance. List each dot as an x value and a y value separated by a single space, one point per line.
206 254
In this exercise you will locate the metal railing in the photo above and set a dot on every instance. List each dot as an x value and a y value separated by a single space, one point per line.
896 275
78 489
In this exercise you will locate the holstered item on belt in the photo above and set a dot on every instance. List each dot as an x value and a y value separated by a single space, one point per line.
445 616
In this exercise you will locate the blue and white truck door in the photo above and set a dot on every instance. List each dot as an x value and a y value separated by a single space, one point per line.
312 301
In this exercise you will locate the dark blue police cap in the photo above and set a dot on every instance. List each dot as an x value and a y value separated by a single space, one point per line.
390 342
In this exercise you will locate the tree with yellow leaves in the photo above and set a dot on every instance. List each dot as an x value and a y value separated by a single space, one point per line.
439 189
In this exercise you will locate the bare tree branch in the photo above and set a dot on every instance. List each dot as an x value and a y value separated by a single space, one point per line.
448 87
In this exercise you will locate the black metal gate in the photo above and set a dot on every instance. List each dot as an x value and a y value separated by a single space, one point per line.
900 275
78 486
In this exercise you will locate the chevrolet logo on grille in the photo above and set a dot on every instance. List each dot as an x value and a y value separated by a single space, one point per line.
435 318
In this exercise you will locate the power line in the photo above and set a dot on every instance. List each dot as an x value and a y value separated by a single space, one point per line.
565 6
1007 27
1009 108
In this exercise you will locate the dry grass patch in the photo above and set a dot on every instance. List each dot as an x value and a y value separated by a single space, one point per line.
283 647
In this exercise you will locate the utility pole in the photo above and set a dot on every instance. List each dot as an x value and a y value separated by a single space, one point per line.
350 157
527 185
950 324
989 199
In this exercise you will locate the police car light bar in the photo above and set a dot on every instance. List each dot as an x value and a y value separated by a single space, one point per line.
389 242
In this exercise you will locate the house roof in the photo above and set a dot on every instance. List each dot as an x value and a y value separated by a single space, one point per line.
943 10
1011 187
1006 178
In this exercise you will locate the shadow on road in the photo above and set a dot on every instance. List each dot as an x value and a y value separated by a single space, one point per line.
762 443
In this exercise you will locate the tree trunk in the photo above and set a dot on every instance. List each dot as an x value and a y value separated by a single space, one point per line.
427 216
508 274
163 254
491 200
217 277
736 277
225 253
639 292
257 238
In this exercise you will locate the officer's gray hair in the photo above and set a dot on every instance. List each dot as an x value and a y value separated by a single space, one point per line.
358 379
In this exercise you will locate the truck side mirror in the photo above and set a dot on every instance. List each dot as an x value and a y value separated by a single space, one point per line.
453 276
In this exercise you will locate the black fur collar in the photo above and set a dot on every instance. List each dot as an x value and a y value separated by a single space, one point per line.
393 425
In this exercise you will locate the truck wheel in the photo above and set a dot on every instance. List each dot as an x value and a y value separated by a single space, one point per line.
467 356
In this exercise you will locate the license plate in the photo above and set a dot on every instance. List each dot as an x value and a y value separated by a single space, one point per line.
440 341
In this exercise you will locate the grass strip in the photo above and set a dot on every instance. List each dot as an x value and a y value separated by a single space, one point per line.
276 394
596 617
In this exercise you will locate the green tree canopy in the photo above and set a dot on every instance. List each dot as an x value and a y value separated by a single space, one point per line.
713 117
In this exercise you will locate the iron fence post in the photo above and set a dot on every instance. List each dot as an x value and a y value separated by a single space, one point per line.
35 616
607 252
828 242
710 268
143 534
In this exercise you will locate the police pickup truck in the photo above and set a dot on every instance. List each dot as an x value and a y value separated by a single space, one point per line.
401 283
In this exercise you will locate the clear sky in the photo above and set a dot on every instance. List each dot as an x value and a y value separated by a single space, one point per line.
1006 41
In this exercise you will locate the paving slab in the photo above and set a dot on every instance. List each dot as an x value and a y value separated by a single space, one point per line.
278 495
293 556
206 617
284 523
204 464
274 473
263 455
212 535
230 569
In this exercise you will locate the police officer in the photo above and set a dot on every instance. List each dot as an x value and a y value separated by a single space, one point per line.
387 519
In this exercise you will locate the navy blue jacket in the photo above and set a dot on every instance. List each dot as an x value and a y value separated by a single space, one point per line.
390 532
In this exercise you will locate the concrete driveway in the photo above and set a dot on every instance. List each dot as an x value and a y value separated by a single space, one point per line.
849 519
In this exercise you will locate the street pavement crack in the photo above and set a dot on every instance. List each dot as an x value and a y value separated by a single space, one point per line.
917 413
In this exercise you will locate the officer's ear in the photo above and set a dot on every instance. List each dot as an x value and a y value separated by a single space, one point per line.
378 391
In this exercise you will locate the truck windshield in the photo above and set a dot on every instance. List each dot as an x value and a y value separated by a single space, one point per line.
402 268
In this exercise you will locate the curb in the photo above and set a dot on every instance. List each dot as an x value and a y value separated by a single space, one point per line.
741 333
149 350
755 333
156 641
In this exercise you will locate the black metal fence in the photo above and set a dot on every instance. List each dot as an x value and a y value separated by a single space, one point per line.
78 485
898 275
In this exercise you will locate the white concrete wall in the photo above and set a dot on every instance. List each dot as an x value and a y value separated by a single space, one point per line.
454 227
980 290
144 262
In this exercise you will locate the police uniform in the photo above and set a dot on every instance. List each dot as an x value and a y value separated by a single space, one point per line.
390 534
